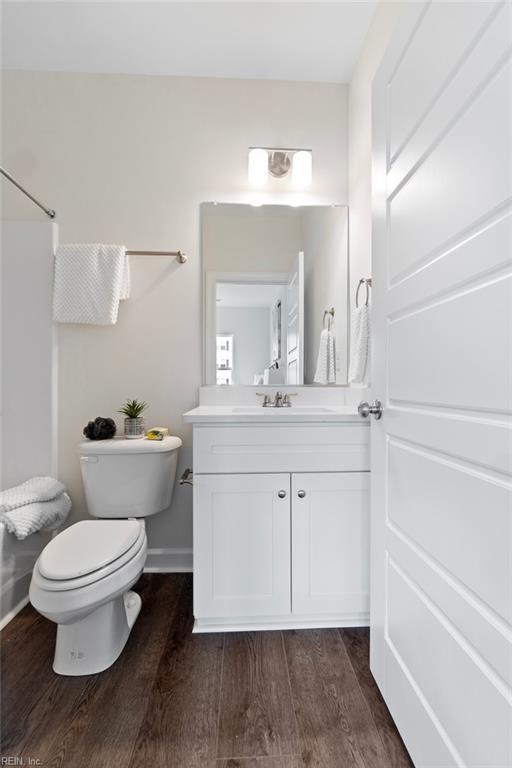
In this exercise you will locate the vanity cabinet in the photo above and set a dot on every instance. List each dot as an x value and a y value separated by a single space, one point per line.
279 542
241 545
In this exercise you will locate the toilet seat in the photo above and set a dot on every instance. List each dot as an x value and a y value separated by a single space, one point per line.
88 552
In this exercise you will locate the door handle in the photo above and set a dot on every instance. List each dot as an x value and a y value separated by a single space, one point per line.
281 494
365 409
301 494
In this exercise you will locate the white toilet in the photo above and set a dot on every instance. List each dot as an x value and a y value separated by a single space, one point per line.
82 578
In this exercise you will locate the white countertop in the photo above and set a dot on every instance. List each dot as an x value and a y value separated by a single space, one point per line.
246 414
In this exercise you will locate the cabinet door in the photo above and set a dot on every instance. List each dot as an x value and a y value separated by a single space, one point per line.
330 544
241 545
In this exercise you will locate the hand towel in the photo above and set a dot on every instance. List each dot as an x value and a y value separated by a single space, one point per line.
326 361
360 338
36 516
90 281
34 490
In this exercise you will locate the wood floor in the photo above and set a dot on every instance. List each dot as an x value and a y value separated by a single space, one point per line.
245 700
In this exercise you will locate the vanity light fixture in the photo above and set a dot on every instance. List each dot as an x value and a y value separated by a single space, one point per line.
280 163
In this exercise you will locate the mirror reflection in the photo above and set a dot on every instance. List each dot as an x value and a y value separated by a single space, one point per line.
275 294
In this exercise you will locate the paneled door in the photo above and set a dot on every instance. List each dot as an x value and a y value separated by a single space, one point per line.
330 543
241 545
441 587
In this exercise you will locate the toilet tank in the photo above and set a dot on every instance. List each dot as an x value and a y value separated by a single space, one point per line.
128 478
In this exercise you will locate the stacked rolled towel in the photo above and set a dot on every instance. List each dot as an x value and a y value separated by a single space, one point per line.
37 504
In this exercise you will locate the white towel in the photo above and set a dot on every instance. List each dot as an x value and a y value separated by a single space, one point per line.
90 281
36 516
360 338
31 491
326 361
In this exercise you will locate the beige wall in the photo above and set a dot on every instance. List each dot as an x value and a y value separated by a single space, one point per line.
129 159
360 140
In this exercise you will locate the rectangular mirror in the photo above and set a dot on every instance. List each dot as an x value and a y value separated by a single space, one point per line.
274 278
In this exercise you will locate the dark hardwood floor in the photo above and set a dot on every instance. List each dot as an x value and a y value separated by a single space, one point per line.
177 700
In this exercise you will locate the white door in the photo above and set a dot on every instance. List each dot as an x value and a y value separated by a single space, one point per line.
330 545
295 322
241 545
441 587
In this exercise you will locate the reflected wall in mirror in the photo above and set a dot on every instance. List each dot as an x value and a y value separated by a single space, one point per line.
275 294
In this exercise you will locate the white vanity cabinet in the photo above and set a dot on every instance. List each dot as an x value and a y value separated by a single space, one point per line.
281 523
241 545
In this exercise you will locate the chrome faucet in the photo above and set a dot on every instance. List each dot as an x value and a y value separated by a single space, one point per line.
279 401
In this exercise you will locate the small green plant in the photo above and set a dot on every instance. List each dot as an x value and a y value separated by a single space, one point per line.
132 409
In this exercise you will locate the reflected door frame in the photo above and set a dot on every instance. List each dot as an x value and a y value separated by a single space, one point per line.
210 309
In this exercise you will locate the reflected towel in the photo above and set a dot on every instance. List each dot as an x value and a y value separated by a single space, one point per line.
90 281
326 362
37 516
360 346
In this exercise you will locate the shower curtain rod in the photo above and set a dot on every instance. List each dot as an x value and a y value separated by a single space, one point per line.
49 211
180 255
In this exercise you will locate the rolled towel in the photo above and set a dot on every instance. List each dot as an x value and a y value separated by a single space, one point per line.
37 516
31 491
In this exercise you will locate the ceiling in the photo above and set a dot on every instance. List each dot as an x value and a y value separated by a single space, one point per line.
265 40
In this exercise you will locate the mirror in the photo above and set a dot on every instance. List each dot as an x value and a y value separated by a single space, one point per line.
275 281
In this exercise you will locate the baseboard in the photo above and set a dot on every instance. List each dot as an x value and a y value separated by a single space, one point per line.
263 623
169 560
12 613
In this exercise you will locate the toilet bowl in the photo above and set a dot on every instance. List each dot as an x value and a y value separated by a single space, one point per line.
82 578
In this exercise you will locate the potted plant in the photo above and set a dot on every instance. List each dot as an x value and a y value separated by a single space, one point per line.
133 423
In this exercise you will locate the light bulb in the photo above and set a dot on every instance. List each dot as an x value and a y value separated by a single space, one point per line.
302 169
258 167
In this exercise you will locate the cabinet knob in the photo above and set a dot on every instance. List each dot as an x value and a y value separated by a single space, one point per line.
282 494
301 494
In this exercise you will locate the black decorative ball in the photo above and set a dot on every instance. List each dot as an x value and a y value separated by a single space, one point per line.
100 429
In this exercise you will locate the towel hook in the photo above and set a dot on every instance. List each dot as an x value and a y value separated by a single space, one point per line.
367 282
330 318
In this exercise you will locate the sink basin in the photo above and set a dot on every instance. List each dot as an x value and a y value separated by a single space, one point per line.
258 409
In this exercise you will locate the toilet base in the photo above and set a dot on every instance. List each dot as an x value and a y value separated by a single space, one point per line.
93 643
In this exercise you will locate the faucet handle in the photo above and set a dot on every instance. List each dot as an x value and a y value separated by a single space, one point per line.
266 399
286 398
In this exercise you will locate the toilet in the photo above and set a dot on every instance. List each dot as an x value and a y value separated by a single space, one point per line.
82 578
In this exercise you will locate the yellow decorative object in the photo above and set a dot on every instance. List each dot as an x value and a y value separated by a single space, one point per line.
157 433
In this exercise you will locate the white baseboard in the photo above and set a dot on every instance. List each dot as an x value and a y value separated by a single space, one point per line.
169 560
263 623
12 613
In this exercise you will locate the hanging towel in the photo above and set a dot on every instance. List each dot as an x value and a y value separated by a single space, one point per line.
37 516
326 362
90 281
34 490
360 345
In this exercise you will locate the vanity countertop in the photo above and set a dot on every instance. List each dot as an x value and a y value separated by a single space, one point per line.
247 414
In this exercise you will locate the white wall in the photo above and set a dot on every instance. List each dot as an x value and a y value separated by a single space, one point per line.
129 159
250 327
28 386
360 140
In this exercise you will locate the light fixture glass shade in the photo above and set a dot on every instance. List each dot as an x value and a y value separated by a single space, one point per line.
302 169
258 167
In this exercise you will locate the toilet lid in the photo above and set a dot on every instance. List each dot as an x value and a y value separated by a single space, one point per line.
86 546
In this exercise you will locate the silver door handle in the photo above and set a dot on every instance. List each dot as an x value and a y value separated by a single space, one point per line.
301 494
281 494
365 409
